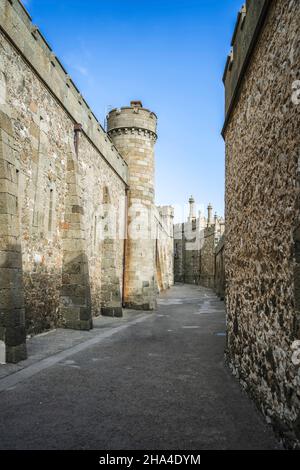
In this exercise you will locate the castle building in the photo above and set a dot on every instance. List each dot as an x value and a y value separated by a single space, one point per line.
80 234
195 243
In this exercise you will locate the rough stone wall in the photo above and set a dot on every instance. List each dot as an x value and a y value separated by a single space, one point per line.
164 216
191 257
111 258
58 189
104 219
194 251
75 298
12 307
44 135
207 258
220 269
38 125
262 223
63 211
179 251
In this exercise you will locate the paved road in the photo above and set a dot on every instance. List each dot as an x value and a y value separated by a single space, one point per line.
157 382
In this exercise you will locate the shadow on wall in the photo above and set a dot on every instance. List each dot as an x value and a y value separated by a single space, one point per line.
12 309
75 299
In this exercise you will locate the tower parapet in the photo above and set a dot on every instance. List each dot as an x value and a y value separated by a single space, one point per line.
132 118
133 132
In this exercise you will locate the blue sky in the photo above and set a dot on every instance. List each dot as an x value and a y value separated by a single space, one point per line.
168 53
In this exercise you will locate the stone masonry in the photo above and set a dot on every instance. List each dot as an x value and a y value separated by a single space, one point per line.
220 269
64 257
133 131
194 248
262 138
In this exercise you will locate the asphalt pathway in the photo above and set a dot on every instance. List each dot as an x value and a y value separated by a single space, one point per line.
151 381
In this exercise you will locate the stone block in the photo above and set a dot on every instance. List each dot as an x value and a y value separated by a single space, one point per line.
8 204
15 354
85 313
112 312
5 124
11 299
12 317
14 336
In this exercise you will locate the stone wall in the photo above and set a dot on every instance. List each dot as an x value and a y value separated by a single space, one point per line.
179 252
263 211
207 258
63 205
59 191
164 216
220 269
194 249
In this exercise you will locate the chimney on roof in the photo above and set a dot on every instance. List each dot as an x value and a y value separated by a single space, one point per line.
136 104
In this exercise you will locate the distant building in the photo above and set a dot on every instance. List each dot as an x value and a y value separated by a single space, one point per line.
195 242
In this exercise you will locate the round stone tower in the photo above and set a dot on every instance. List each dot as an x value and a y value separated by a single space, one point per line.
133 132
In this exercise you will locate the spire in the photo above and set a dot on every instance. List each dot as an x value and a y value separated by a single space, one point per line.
192 209
209 215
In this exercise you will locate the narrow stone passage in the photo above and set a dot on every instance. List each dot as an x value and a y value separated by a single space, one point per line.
158 383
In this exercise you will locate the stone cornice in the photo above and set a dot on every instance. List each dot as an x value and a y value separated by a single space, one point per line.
134 131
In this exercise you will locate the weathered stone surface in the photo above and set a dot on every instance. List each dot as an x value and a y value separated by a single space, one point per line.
262 218
220 269
12 321
56 237
164 216
194 249
133 131
75 294
111 296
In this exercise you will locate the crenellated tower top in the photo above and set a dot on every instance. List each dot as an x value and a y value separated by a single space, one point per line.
132 119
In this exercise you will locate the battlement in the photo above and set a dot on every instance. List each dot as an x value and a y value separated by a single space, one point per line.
133 117
17 26
249 23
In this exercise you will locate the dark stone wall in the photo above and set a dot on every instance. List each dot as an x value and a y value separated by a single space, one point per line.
220 269
262 222
194 254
